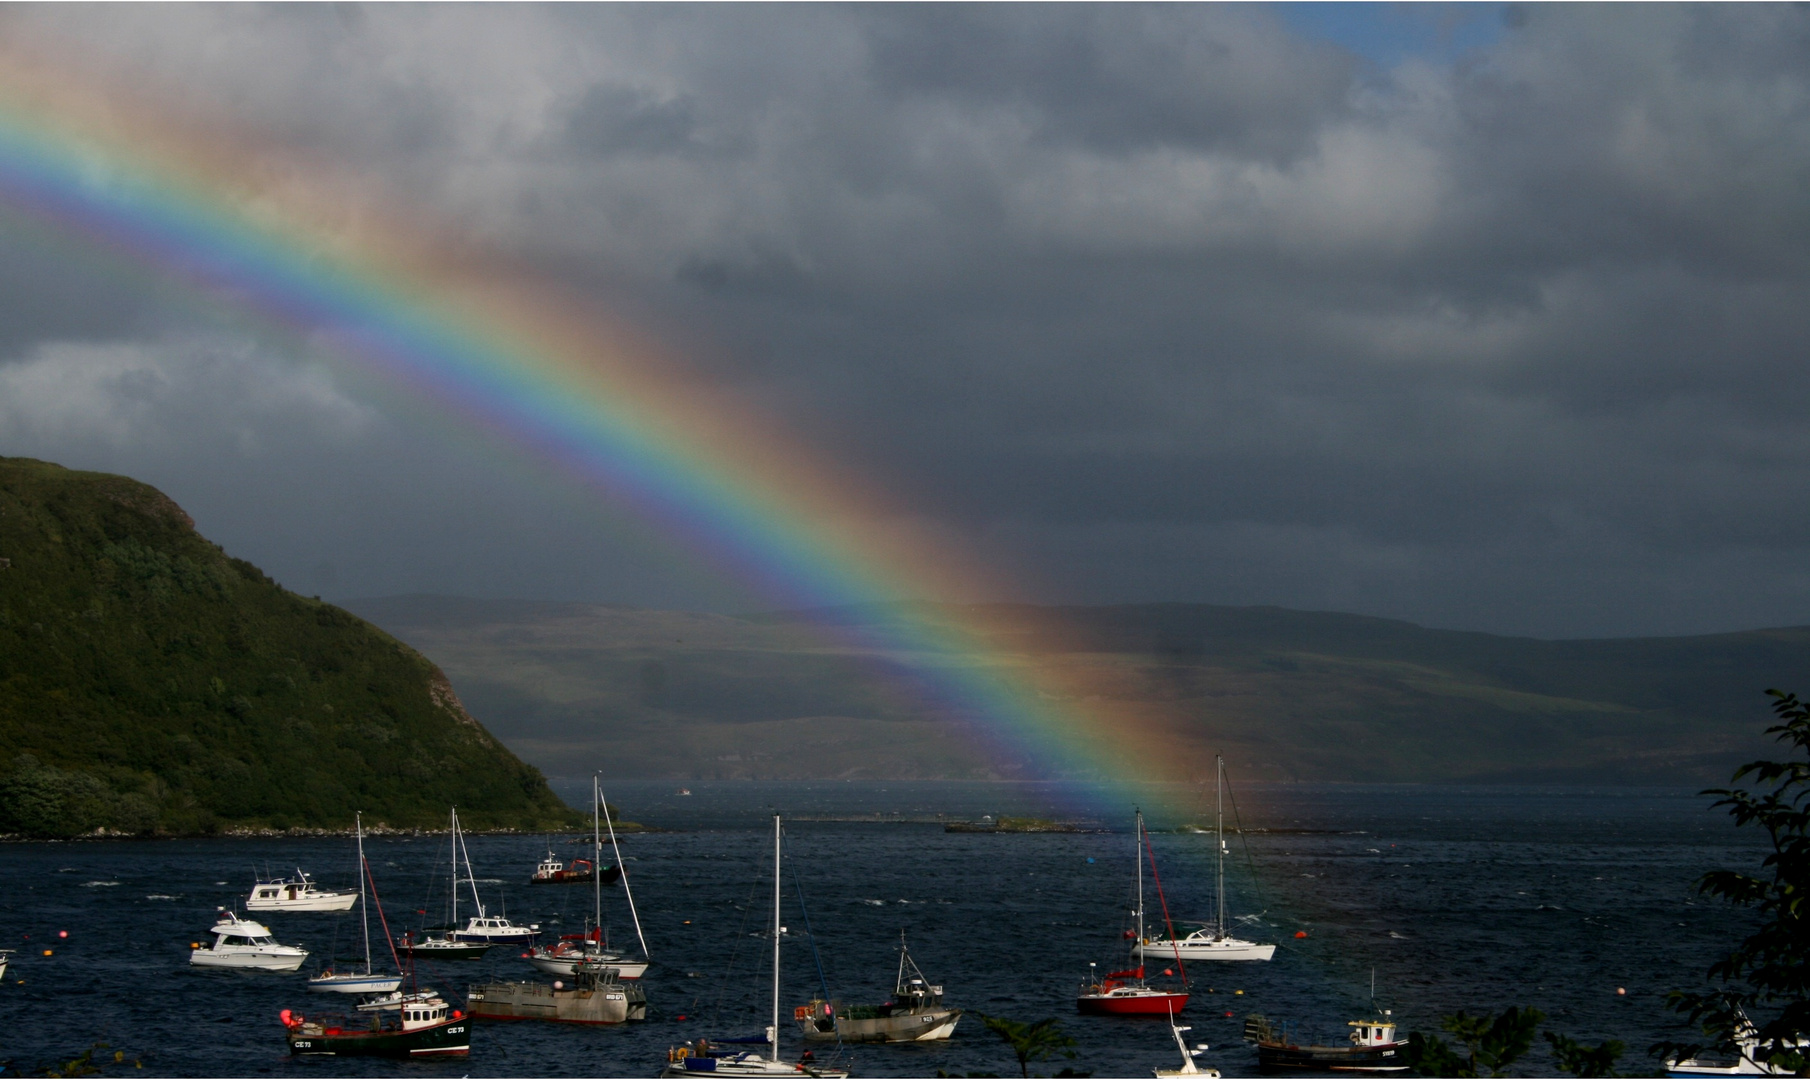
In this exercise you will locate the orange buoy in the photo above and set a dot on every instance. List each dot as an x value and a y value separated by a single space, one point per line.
46 952
1621 990
1300 933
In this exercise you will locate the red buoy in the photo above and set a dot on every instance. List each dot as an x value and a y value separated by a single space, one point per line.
1300 933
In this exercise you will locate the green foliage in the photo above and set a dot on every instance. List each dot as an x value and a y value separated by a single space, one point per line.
1491 1043
149 683
1580 1060
1031 1042
1770 970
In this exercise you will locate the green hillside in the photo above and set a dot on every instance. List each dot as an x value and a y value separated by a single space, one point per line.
1286 695
150 683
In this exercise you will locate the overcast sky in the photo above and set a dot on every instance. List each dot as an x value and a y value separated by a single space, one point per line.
1490 318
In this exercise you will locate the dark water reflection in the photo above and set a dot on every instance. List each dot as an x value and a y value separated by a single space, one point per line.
1454 897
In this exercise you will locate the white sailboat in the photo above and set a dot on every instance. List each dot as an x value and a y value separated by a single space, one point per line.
367 981
1210 942
701 1057
482 927
589 948
1188 1067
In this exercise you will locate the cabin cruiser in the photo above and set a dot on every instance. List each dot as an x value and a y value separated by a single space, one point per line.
298 893
241 943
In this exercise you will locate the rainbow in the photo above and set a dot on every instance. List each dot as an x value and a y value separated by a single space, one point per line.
302 249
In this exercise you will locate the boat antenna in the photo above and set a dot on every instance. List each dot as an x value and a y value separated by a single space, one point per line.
617 848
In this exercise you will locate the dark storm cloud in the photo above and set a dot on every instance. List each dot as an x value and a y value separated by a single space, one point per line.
1158 302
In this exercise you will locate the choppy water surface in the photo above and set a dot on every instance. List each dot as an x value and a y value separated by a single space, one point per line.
1455 897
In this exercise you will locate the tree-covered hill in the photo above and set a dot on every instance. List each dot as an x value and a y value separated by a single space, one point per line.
151 683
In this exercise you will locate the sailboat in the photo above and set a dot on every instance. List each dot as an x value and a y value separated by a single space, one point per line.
575 951
485 927
721 1059
1125 992
596 995
448 944
367 981
1211 942
1188 1067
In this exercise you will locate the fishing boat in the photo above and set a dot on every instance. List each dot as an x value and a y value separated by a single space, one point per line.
423 1025
1125 993
1212 942
565 956
298 893
1188 1067
725 1057
552 871
366 981
241 943
1370 1047
596 995
916 1012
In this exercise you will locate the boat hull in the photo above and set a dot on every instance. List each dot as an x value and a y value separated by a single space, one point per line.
355 984
745 1065
325 902
568 965
606 1004
922 1025
1117 1004
247 961
611 875
444 949
452 1038
1280 1057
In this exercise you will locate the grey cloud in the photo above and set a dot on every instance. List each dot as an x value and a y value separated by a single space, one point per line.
1145 302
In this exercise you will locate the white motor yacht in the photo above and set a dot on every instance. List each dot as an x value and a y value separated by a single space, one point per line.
241 943
298 893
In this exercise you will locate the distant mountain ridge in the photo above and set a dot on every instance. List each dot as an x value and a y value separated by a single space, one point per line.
1289 695
150 683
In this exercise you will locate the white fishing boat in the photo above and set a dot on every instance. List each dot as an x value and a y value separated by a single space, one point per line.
298 893
590 949
721 1058
241 943
1212 942
366 981
1188 1067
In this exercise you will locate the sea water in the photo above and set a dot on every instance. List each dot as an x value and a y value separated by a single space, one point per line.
1578 902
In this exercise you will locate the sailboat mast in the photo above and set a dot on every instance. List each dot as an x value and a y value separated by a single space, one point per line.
364 912
1219 838
596 865
470 875
452 920
1137 856
773 1032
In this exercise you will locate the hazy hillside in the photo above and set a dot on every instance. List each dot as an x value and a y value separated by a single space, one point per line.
150 683
1286 694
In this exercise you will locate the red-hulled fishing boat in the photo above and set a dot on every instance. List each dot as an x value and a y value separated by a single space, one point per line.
1125 993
